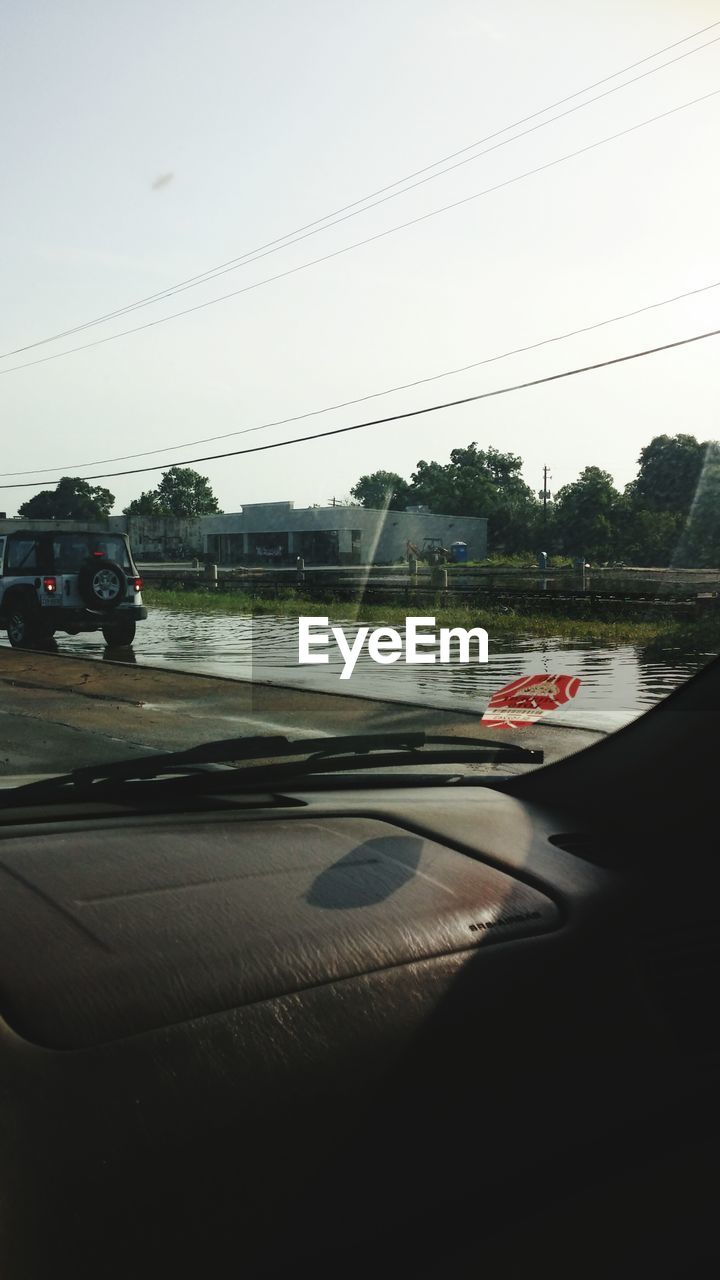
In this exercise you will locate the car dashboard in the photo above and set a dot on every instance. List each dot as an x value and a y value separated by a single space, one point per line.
354 1030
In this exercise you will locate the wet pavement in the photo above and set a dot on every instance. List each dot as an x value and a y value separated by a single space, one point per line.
58 712
618 681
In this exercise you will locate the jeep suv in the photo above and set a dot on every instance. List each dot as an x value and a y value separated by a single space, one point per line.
53 580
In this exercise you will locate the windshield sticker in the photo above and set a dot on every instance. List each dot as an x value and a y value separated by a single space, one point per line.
523 701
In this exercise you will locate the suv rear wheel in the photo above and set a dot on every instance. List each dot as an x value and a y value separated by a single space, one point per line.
119 634
23 626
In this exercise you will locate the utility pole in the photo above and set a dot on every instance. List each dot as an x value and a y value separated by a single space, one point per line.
545 493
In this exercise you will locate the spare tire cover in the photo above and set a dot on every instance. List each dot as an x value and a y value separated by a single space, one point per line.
102 584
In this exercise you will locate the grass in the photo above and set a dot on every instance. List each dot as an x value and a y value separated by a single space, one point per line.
525 561
702 635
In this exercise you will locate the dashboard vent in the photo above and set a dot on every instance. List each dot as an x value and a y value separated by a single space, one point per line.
683 965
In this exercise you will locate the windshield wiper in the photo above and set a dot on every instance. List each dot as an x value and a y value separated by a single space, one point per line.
270 759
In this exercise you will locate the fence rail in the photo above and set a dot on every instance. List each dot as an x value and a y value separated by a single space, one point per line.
601 590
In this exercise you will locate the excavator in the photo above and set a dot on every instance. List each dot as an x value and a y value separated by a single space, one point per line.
432 552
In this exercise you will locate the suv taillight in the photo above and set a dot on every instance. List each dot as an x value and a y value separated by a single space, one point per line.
50 585
138 584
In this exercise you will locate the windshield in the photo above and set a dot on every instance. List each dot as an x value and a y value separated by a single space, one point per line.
386 339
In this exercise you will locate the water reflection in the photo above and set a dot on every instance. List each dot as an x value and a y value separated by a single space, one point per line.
45 644
622 680
125 654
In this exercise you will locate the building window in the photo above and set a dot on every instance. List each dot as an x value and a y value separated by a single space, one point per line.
269 548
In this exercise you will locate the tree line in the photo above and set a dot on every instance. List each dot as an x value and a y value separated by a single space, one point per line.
669 513
181 492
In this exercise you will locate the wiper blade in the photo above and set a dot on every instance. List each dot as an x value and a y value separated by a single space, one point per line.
266 756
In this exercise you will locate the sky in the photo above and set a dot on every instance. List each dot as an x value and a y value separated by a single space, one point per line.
145 144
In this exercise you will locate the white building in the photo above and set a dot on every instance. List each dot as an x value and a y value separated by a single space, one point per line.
278 531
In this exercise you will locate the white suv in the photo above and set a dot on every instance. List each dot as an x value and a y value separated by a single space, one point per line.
53 580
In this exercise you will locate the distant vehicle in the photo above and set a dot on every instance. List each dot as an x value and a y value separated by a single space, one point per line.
433 552
68 581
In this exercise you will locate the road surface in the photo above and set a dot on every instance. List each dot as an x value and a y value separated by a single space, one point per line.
58 712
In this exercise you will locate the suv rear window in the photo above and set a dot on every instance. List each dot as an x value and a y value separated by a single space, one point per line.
23 555
71 550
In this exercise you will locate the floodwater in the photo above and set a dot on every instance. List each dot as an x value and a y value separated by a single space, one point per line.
617 683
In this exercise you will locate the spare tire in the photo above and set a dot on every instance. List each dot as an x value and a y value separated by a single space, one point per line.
102 584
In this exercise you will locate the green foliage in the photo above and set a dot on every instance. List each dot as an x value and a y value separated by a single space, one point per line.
482 482
519 560
644 537
669 470
699 540
584 515
181 492
382 490
72 499
291 604
668 515
146 505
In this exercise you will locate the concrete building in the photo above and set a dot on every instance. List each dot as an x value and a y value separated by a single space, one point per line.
162 537
278 532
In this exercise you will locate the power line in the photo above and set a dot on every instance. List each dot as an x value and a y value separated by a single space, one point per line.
374 395
379 235
342 215
394 417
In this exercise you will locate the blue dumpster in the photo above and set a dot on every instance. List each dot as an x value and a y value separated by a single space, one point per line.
459 552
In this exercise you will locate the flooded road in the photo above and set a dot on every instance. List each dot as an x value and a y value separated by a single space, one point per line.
618 683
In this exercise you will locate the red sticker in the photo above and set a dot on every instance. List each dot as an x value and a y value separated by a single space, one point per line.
524 700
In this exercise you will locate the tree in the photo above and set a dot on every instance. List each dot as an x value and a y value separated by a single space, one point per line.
656 505
72 499
646 537
481 482
181 492
435 485
669 471
585 513
382 490
698 543
146 505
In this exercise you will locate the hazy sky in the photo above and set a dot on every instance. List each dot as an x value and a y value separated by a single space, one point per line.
147 142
